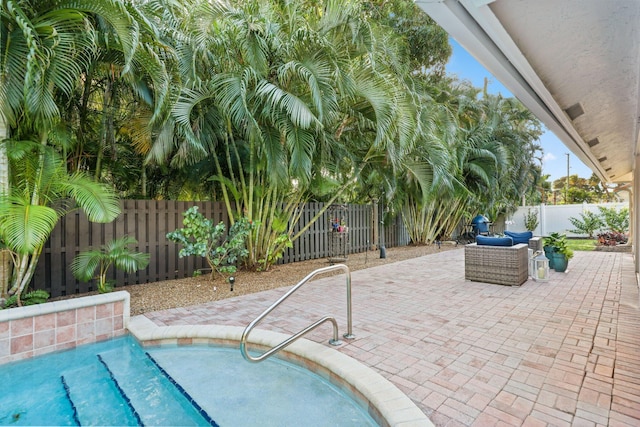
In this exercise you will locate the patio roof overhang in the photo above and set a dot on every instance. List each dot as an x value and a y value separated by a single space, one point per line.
574 63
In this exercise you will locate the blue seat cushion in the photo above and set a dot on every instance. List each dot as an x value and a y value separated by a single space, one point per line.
522 237
494 241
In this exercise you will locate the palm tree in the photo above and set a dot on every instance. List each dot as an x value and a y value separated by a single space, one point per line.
424 45
46 49
486 160
497 153
467 163
545 188
40 193
114 253
286 98
5 258
517 131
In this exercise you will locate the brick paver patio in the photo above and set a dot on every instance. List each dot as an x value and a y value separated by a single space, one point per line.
566 352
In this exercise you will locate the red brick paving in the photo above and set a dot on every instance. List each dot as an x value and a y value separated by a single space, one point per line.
566 352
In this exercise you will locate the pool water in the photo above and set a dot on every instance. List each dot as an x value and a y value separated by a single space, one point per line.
117 382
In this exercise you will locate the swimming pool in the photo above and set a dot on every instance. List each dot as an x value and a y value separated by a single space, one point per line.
117 382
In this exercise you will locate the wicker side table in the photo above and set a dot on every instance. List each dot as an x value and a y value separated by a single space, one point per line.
502 265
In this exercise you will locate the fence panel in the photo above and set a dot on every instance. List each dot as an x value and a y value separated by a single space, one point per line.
555 218
312 242
395 234
317 231
149 221
358 221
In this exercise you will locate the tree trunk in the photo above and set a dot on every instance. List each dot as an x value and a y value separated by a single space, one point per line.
102 142
5 256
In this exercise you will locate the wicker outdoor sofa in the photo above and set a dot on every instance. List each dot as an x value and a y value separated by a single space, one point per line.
502 265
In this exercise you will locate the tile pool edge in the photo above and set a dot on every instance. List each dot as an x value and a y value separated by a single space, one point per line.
59 325
385 402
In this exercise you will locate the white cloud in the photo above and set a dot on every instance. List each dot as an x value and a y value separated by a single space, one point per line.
548 157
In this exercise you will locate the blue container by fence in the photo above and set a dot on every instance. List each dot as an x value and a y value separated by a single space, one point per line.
480 224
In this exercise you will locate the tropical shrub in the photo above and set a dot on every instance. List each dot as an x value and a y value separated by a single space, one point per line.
614 220
531 219
587 223
612 238
37 296
114 253
201 237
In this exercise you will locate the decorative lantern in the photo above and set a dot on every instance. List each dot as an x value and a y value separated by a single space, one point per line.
531 256
540 268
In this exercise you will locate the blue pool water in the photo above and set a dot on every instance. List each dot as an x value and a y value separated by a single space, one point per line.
118 382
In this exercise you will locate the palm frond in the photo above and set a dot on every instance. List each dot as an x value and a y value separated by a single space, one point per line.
97 200
84 265
277 100
131 261
25 227
116 14
301 144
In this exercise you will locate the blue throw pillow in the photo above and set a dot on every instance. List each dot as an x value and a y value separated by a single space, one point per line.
519 237
494 241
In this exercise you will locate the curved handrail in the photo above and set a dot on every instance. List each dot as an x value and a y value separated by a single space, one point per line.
334 341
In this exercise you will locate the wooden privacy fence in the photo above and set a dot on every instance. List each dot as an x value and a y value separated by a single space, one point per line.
149 221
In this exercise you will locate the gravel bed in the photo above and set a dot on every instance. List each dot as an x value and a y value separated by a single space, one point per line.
168 294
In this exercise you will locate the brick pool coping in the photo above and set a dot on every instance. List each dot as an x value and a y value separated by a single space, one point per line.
383 400
60 325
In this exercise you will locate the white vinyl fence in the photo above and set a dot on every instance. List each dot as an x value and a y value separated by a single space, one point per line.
555 218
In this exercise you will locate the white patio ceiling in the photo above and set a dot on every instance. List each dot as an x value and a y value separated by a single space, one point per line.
574 63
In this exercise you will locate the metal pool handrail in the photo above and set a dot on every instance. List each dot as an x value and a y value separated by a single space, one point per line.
334 341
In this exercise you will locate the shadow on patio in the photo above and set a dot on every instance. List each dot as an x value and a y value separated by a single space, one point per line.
566 352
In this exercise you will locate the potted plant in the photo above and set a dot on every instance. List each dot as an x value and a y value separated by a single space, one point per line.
557 251
549 247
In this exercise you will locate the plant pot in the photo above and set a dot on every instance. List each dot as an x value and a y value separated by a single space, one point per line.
548 252
560 262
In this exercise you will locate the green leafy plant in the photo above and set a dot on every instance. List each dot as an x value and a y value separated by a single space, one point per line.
551 239
587 224
37 296
531 219
559 244
281 242
115 253
563 248
614 220
42 191
201 237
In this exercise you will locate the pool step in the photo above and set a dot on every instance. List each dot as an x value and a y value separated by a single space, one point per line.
150 393
89 389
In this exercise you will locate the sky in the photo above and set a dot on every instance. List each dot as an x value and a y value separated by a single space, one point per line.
555 152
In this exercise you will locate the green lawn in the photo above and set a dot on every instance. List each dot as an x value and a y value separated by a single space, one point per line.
582 244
